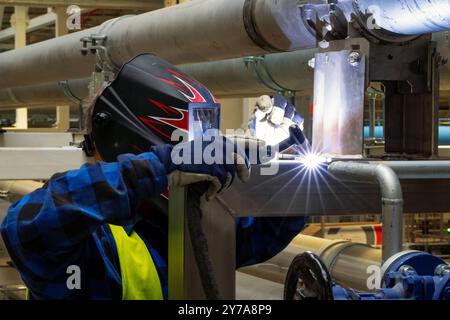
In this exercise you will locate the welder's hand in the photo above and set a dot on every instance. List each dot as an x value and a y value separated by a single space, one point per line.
272 118
217 161
256 150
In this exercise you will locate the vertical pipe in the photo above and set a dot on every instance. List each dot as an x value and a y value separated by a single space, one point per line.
392 198
372 116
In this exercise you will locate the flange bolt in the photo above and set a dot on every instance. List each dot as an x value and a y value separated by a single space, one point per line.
442 270
407 270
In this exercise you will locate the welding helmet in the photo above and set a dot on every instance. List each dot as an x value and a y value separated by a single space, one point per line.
148 100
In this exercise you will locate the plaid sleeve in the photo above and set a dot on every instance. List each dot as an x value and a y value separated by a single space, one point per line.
260 239
45 230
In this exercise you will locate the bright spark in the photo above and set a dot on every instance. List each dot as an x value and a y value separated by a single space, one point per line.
312 161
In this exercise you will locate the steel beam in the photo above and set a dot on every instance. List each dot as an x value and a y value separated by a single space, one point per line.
100 4
35 140
37 23
34 24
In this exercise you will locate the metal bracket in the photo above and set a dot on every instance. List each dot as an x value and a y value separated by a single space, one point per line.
96 44
64 84
257 64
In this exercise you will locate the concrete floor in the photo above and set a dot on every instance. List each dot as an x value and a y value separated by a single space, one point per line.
251 288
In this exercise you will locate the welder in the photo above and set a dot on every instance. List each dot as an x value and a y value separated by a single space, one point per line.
100 220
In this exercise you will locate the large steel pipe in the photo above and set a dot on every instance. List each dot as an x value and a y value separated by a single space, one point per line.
47 94
200 30
227 78
347 262
19 188
256 75
408 17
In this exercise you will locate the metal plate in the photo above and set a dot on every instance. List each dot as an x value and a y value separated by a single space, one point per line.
339 88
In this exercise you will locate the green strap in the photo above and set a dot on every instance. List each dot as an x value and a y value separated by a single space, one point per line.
140 280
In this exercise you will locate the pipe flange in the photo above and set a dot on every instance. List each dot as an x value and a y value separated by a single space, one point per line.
308 278
424 263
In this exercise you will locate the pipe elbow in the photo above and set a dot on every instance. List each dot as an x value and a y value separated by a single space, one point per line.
389 183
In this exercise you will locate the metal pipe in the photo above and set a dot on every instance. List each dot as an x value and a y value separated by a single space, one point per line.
47 94
104 4
19 188
408 17
426 169
226 78
347 262
392 198
191 32
372 116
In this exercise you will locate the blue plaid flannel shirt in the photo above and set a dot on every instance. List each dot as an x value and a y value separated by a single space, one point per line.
66 223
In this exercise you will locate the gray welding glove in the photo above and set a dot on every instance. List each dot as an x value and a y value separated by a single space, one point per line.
272 118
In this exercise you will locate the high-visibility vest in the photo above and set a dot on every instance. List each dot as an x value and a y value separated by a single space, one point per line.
140 280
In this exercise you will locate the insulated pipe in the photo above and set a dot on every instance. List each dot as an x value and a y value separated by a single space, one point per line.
392 198
408 17
200 30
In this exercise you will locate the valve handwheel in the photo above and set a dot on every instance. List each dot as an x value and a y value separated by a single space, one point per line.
308 279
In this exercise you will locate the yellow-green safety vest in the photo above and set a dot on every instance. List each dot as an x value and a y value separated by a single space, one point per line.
140 280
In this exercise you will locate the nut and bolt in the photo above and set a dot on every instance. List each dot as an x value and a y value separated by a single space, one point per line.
354 58
442 270
407 270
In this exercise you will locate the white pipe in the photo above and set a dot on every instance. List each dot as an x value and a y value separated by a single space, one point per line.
226 78
200 30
